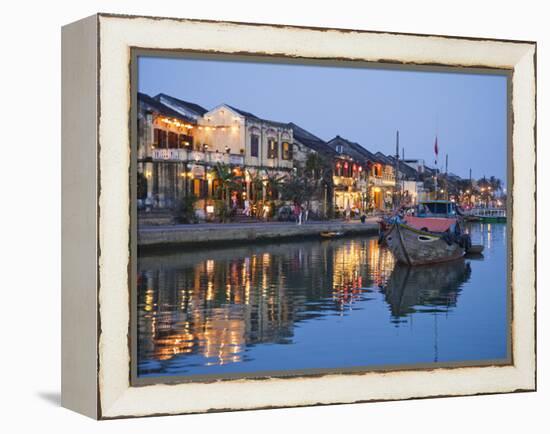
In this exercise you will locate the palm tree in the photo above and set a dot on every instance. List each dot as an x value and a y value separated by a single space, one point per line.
298 188
256 183
319 166
495 183
486 190
273 181
228 181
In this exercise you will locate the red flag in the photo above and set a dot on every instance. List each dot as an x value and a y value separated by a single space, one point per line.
436 149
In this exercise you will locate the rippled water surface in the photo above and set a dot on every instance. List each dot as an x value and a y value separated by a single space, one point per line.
317 304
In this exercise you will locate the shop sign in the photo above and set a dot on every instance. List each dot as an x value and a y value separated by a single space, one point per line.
197 170
236 159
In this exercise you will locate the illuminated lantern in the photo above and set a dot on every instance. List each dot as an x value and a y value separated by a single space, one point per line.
346 165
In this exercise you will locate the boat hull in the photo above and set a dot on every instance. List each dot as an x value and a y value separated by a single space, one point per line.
414 247
492 219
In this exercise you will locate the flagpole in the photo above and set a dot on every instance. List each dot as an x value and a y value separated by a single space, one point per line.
447 176
436 181
396 198
436 151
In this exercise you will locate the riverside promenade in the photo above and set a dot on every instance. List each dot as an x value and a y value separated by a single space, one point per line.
212 233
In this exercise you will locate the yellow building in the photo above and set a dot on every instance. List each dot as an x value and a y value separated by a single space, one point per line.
363 181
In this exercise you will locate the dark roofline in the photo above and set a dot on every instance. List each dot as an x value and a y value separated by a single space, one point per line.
162 109
383 158
310 140
404 167
190 105
252 116
242 112
357 148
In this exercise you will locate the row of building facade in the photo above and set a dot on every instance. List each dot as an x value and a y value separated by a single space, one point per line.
180 144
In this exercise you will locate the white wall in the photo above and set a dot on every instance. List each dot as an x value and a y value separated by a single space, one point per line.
31 308
232 135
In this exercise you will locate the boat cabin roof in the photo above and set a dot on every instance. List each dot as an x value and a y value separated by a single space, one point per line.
432 224
437 208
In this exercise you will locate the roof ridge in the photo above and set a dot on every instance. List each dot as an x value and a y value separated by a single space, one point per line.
193 105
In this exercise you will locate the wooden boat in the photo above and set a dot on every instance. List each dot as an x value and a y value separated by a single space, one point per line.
426 209
418 241
331 234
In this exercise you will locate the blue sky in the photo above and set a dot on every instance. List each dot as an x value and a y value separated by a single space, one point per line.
365 105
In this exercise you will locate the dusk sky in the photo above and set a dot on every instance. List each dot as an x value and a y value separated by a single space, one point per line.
466 111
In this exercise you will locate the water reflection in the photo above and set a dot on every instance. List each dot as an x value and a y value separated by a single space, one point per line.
287 306
432 288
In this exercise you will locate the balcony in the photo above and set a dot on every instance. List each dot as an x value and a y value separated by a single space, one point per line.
383 181
207 157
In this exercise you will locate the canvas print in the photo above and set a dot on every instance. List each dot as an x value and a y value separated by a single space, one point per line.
296 218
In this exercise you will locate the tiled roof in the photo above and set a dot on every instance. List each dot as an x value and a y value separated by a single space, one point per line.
161 108
310 140
404 168
354 149
200 110
257 118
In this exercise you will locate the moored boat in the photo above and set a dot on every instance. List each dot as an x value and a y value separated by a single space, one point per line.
331 234
425 209
489 215
418 241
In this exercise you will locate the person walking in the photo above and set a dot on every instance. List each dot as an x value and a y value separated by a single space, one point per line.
298 213
348 212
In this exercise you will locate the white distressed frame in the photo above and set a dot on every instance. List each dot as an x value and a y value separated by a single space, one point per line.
115 397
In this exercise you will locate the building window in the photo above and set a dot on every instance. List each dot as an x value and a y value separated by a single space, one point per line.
160 138
254 145
199 147
340 149
347 170
287 151
172 140
200 188
156 133
197 187
185 141
140 127
272 148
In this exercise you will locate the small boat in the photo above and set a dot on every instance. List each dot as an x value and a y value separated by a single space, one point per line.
331 234
474 249
471 218
425 209
489 215
426 240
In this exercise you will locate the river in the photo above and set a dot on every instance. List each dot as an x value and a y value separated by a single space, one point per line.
318 304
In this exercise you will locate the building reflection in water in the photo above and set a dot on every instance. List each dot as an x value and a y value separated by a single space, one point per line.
213 304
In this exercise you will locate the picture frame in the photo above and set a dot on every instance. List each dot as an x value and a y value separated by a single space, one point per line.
98 271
